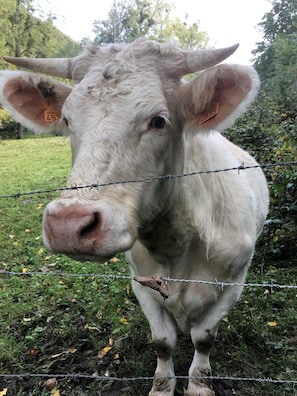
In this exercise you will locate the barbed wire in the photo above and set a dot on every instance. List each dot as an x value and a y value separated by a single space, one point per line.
271 285
239 168
122 379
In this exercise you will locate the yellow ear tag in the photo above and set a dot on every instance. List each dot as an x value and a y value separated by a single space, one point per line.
208 115
51 114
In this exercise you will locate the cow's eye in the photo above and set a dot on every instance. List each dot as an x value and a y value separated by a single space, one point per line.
158 122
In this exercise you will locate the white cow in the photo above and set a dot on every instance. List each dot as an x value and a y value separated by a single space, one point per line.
132 116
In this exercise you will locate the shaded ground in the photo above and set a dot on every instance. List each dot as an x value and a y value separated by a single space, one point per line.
129 356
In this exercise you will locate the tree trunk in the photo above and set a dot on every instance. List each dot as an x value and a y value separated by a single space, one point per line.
20 132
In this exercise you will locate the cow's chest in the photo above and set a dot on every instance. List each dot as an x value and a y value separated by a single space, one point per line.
166 239
187 300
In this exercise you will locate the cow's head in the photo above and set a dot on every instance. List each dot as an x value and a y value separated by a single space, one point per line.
126 117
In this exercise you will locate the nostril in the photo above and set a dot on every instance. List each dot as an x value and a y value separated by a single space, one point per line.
91 227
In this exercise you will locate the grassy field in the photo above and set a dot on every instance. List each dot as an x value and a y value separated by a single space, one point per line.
94 326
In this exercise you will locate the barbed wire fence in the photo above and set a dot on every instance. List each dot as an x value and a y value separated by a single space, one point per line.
272 286
239 168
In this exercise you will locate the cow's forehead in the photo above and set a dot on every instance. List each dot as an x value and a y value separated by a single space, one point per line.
120 100
111 79
118 59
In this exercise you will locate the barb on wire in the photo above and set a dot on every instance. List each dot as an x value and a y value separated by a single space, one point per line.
124 379
215 282
149 179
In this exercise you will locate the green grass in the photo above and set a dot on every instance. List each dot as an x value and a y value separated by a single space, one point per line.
59 324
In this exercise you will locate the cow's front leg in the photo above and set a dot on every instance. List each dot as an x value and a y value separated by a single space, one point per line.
200 367
163 331
203 336
164 383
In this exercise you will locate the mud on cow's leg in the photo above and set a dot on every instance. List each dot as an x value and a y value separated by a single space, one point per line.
200 367
163 383
164 340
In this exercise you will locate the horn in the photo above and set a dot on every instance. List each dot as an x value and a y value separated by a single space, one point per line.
202 59
58 67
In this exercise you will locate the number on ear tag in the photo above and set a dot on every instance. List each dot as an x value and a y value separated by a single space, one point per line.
52 115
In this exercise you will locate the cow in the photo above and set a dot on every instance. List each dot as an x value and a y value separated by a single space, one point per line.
134 114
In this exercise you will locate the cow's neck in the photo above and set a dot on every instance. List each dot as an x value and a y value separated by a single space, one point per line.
168 237
171 233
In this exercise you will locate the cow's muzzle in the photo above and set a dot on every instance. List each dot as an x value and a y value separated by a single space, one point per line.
87 231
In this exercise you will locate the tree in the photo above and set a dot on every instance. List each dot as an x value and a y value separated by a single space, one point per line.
280 21
129 19
189 36
276 60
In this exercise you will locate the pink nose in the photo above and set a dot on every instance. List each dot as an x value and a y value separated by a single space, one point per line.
74 229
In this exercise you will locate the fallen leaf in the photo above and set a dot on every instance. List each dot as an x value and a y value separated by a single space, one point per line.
88 327
114 260
57 355
33 352
50 384
123 321
128 289
48 257
272 324
104 351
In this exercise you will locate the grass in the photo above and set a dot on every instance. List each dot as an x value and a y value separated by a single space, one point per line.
91 325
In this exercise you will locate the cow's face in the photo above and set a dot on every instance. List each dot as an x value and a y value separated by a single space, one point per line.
119 131
127 118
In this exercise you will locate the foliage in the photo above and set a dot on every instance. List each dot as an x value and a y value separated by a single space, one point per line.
281 20
130 19
87 324
271 125
188 36
5 118
25 34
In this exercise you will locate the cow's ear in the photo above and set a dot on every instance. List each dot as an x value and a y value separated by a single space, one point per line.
215 98
33 99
